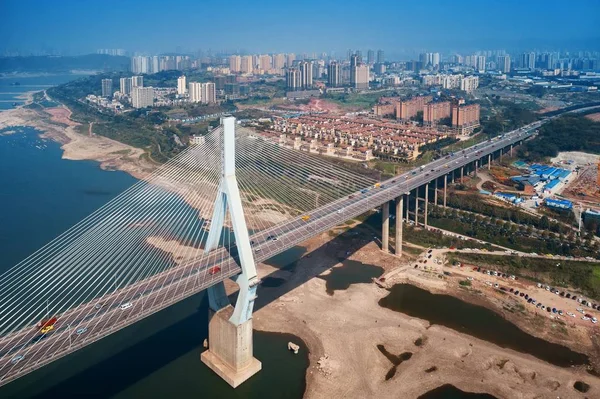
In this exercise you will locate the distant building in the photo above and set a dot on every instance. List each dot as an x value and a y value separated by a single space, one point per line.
433 112
361 76
235 64
469 83
279 63
195 92
480 63
125 86
141 64
465 118
292 79
142 97
527 60
209 95
181 86
334 77
370 57
380 57
107 88
137 81
430 59
264 63
289 62
306 74
246 64
504 63
408 108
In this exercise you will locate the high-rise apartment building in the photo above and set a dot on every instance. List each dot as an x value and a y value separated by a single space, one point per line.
141 64
107 88
235 64
469 83
195 92
306 74
290 60
292 79
407 109
209 94
480 63
181 86
465 118
370 57
155 64
528 60
334 76
504 63
137 81
142 97
380 57
247 66
433 112
264 62
361 75
279 63
125 86
430 59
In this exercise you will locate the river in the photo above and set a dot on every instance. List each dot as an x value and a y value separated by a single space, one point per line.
43 195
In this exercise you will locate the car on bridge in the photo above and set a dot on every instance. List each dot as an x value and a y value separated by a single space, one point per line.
38 338
17 359
364 191
272 238
81 330
214 270
125 305
47 329
305 218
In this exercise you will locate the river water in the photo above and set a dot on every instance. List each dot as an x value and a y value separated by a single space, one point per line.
41 196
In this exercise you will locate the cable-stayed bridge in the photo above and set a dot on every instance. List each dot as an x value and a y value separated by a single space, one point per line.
207 215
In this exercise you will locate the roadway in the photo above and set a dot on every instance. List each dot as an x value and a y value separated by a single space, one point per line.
162 290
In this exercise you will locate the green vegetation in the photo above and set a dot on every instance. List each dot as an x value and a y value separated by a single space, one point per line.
465 283
584 276
429 238
356 100
506 116
571 132
518 237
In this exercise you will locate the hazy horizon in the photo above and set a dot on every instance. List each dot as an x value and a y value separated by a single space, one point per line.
186 26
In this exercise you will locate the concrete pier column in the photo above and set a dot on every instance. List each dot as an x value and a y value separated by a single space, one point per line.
511 146
399 207
230 348
417 206
489 161
501 154
385 226
476 165
435 191
445 185
426 202
407 201
462 173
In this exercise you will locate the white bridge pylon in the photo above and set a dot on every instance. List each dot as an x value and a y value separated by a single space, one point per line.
230 351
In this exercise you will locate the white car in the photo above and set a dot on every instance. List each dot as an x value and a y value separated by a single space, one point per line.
81 330
17 359
340 210
125 305
571 314
585 318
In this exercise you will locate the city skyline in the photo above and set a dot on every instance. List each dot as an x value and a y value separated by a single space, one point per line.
67 28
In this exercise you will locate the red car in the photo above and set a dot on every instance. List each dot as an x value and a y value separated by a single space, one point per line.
214 270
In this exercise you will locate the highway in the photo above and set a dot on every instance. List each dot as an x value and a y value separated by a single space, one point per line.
162 290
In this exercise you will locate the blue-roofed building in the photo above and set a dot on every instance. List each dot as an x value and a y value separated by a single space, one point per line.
558 204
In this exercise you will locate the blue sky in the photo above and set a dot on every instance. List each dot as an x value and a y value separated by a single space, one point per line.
298 26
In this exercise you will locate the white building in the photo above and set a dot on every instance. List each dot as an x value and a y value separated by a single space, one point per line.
469 83
137 81
235 64
125 86
181 86
195 92
142 97
107 88
141 64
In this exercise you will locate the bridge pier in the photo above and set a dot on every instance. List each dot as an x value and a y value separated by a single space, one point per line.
475 170
489 161
399 207
462 173
435 191
511 148
230 350
385 226
426 202
501 154
445 185
416 206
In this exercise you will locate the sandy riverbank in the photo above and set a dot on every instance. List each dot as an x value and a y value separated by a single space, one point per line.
54 123
343 331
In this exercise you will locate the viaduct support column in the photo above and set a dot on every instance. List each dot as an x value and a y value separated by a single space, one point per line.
399 207
435 192
426 202
385 227
476 165
416 206
511 150
462 173
230 351
489 161
501 154
445 185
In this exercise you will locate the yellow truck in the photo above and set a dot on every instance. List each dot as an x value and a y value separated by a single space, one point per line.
377 185
305 217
